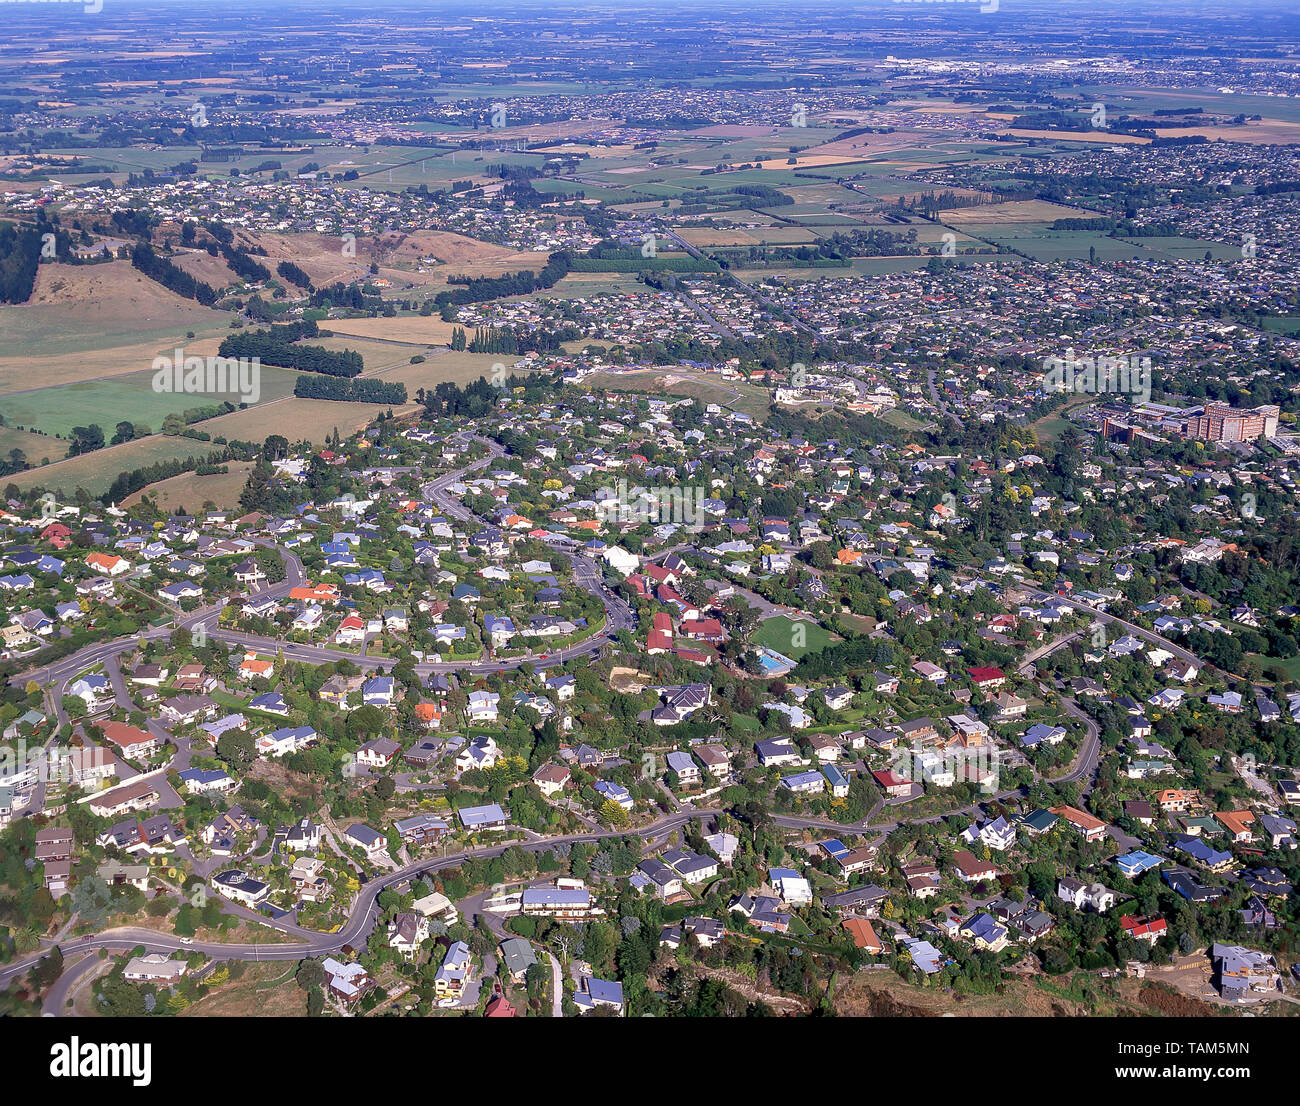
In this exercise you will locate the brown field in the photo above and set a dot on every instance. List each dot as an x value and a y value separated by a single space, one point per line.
416 330
811 161
196 492
89 321
296 419
35 446
1017 211
393 251
203 266
1087 136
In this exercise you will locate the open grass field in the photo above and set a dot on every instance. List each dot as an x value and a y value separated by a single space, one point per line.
96 471
1286 671
1050 427
756 236
578 285
89 321
734 395
415 330
900 419
193 493
457 367
37 447
779 634
128 397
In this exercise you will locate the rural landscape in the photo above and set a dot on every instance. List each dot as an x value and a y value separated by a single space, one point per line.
669 511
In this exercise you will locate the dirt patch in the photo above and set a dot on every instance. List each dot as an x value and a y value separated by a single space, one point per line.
878 993
1164 999
255 994
628 680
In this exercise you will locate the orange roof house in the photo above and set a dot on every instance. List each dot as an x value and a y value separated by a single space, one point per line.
1081 820
252 665
864 937
428 714
848 556
1173 799
127 738
319 593
1237 823
108 562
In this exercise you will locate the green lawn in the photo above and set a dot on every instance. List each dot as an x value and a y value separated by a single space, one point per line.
1284 670
778 634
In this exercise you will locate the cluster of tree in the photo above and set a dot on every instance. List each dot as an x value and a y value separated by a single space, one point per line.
85 439
522 283
369 390
20 253
170 276
349 296
478 399
929 204
491 339
242 264
294 274
276 347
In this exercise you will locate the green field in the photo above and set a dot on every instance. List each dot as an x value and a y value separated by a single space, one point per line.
128 398
36 447
778 634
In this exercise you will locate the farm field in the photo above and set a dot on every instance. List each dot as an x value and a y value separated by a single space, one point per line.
192 493
35 447
1012 212
128 397
89 321
96 471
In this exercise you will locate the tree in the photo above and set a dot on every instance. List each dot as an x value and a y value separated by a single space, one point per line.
86 439
310 975
236 748
613 813
48 969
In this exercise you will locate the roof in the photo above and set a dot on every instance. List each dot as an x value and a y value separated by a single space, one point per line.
864 936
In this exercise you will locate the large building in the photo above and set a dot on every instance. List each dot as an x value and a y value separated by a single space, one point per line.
1221 422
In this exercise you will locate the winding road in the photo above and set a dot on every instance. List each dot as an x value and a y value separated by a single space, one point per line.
81 951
